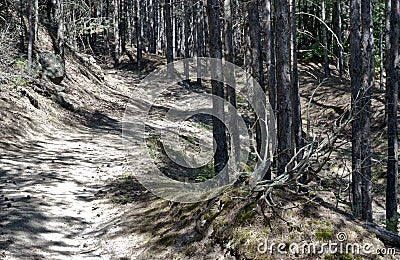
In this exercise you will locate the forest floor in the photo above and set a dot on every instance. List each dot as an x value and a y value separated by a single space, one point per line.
67 190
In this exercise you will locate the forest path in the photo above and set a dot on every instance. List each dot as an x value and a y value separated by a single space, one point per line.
51 186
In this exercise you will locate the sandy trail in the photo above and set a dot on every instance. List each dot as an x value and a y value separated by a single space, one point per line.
49 187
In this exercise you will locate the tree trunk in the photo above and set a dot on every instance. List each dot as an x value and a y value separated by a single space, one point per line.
355 73
325 42
123 25
270 61
186 35
117 48
60 28
339 36
36 26
381 56
368 76
285 125
256 65
230 75
154 27
169 36
391 100
215 43
22 25
270 54
138 33
297 123
31 34
388 7
200 37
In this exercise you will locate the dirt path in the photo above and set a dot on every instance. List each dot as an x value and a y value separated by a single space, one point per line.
50 186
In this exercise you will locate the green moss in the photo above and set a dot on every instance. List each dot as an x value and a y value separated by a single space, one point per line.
246 214
211 214
167 240
226 201
324 234
190 250
338 256
246 239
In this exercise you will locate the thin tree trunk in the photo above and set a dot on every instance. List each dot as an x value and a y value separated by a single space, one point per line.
355 73
391 100
138 32
230 75
22 25
297 124
200 37
368 76
169 36
324 42
381 53
270 61
339 36
36 20
186 35
60 28
388 8
154 27
31 34
285 123
215 43
117 45
123 25
270 55
256 65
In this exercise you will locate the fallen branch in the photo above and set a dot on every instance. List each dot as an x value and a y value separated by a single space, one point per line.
387 237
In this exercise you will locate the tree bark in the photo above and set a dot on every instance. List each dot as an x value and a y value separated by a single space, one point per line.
355 73
297 123
391 100
368 76
186 35
285 124
138 32
36 27
169 36
60 29
325 42
215 43
270 54
230 75
256 66
340 37
31 35
154 27
117 45
200 37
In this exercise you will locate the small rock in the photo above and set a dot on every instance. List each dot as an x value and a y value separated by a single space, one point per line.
9 205
53 67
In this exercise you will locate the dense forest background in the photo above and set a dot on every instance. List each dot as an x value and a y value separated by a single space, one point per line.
329 70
